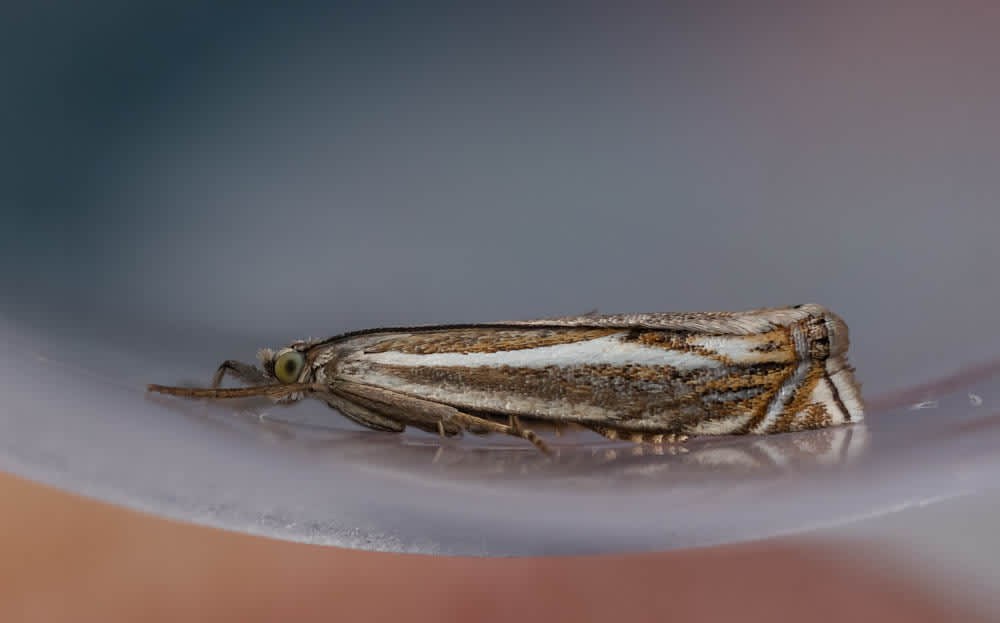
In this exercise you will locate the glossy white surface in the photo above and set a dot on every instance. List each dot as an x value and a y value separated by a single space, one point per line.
303 473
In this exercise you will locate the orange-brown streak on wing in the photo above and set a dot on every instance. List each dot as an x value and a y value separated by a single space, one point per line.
484 340
800 400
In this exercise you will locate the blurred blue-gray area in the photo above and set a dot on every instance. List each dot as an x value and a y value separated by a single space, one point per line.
303 170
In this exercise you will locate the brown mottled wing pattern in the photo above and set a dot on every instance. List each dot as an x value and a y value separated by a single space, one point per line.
703 373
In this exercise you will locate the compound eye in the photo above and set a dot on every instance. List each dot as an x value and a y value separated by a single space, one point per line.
288 366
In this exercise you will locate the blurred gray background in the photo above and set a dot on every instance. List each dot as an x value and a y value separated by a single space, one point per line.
184 182
204 169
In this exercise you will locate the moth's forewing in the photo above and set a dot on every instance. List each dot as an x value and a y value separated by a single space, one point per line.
716 373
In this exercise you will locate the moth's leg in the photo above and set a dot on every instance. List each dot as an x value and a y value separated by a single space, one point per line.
249 374
361 414
556 427
475 424
637 436
514 423
432 417
428 415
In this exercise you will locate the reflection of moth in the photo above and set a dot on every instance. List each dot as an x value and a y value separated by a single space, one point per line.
642 377
834 446
598 464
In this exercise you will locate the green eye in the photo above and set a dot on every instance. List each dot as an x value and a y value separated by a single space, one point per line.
288 366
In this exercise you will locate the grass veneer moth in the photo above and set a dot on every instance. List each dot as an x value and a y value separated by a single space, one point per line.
642 377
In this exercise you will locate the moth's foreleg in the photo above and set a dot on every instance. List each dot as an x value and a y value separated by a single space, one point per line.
249 374
428 415
360 414
392 406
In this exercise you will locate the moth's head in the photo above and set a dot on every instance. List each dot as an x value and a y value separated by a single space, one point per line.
288 377
287 365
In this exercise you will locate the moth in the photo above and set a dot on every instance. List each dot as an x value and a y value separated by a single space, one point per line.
642 377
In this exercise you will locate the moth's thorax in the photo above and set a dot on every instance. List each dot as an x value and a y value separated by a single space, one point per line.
322 362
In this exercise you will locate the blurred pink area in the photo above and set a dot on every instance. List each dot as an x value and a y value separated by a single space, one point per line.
71 559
